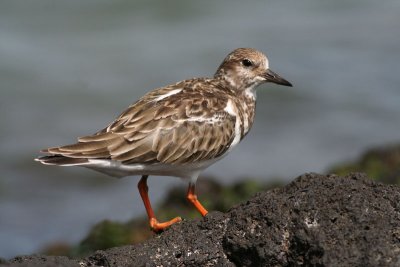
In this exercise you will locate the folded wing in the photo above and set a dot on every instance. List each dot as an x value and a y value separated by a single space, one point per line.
177 129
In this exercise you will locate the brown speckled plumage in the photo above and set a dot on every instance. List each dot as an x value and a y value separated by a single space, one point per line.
176 130
189 124
185 127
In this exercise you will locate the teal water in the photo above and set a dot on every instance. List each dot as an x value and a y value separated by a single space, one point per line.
67 68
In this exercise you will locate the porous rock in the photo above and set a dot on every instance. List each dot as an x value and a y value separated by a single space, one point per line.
316 220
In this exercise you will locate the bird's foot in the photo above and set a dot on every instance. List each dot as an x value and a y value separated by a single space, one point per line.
159 227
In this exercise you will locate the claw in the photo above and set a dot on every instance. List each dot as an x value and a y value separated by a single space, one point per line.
158 227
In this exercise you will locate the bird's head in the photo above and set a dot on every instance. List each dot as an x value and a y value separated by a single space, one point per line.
246 68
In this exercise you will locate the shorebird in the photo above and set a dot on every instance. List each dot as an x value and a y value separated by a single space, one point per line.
177 130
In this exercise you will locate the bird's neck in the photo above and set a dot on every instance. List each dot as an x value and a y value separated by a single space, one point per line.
240 87
245 103
248 103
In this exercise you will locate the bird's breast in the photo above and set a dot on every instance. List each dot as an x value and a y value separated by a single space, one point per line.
243 111
246 112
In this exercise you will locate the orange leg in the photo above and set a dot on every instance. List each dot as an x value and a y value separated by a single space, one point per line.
154 224
192 197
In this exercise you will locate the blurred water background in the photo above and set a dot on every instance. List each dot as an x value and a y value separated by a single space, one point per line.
67 68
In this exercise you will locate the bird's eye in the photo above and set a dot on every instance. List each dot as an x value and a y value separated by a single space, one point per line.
247 63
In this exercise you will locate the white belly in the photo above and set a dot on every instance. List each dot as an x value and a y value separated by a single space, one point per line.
117 169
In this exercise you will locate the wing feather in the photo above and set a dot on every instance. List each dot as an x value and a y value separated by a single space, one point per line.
181 128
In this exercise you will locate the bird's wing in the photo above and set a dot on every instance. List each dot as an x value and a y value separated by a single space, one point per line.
168 127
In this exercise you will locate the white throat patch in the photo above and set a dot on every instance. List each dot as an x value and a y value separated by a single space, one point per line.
231 109
266 63
251 93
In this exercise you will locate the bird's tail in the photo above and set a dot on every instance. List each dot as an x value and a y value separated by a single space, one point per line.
61 160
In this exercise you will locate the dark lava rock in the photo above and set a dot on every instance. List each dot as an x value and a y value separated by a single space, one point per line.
316 220
41 260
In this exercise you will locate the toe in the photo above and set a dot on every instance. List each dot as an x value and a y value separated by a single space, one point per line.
160 226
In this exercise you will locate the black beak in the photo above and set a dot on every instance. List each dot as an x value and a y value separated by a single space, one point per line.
272 77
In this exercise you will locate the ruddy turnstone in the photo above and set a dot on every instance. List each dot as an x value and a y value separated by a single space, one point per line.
177 130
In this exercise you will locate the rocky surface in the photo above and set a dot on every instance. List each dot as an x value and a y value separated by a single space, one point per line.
316 220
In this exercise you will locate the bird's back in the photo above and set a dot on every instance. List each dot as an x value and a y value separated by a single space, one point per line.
177 124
